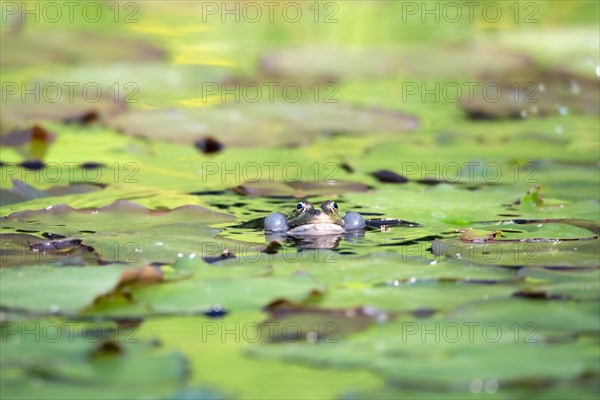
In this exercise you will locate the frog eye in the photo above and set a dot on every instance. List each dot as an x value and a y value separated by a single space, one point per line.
299 206
329 206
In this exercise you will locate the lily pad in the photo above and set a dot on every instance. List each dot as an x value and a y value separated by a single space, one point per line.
46 289
52 105
300 189
151 236
566 284
24 192
75 361
337 63
49 47
146 85
246 124
19 249
405 352
524 94
199 294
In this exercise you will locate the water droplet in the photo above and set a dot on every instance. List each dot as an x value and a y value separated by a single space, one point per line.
598 70
563 110
193 255
54 308
179 255
396 282
491 386
542 87
558 129
476 386
575 89
523 113
159 244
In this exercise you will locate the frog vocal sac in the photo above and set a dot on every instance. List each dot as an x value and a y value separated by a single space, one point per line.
306 220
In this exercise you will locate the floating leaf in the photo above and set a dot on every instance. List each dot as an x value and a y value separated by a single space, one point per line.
337 63
75 360
66 290
247 124
522 94
24 192
48 47
300 189
149 236
197 295
18 114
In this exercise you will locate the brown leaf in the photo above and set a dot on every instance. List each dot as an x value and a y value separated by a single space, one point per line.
524 94
145 275
290 321
61 46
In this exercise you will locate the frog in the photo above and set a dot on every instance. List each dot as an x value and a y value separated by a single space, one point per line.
307 220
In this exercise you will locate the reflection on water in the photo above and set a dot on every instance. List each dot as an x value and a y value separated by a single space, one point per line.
315 242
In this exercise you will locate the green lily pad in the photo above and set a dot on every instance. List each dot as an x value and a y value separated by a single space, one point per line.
151 236
198 295
247 124
46 289
20 249
576 285
70 360
147 85
24 192
300 189
440 354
